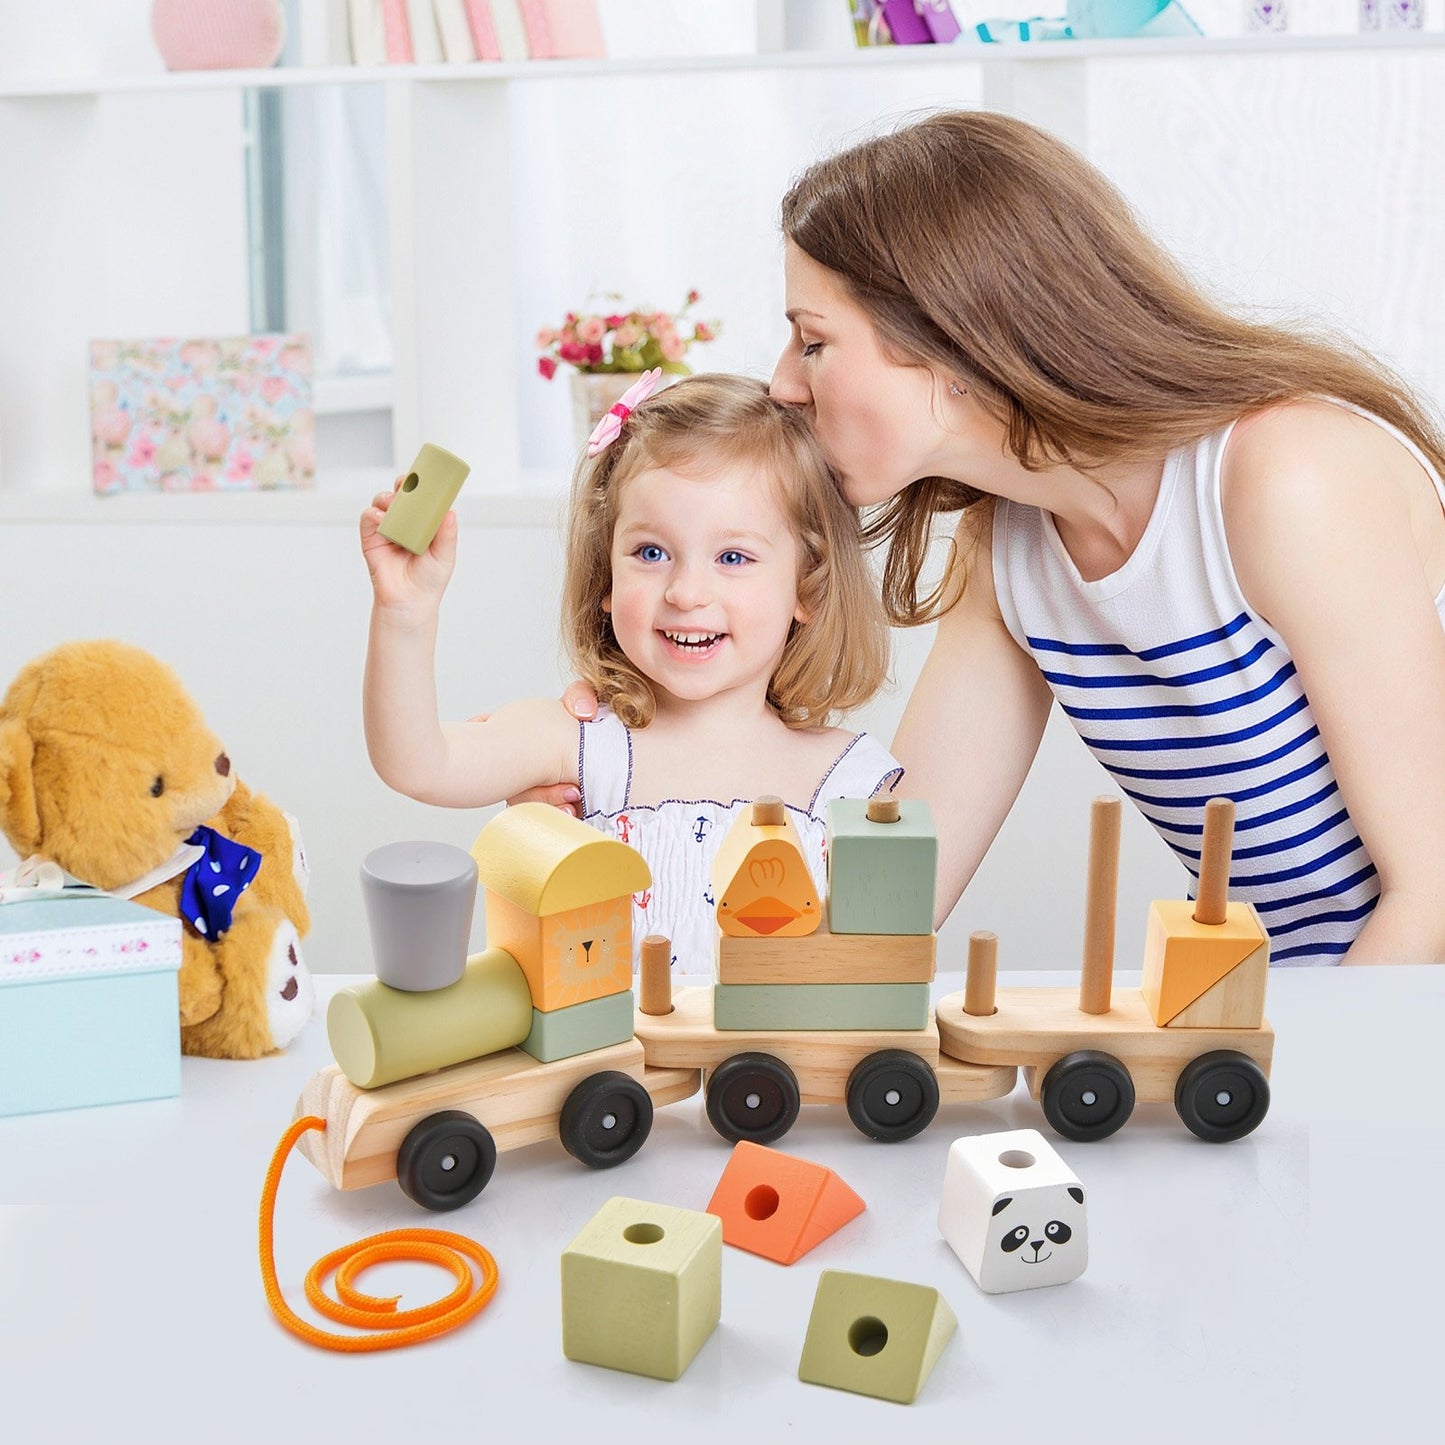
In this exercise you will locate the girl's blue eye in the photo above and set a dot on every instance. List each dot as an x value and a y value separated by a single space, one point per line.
650 552
733 559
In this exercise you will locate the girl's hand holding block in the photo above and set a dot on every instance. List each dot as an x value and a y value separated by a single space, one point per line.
423 498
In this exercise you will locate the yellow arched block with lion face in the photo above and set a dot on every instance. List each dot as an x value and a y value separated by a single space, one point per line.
762 883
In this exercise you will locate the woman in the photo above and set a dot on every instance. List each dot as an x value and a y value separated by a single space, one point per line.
1220 545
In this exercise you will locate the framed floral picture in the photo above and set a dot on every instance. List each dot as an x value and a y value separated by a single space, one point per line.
208 414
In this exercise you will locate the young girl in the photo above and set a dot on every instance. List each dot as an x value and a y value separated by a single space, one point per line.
717 599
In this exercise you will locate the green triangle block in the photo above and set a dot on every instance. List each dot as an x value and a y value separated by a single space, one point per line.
879 1337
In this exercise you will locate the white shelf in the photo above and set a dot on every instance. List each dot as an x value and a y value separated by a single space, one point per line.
1043 52
335 395
536 500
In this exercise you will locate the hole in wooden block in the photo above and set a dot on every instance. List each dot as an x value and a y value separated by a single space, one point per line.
1017 1159
762 1202
411 482
867 1336
642 1233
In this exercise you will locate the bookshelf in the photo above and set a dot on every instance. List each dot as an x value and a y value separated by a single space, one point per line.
132 189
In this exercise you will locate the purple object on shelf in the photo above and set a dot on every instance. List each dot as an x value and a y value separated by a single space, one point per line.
919 22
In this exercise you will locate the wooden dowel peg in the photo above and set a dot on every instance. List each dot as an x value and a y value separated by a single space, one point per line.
769 811
655 970
1097 979
1212 902
883 810
978 995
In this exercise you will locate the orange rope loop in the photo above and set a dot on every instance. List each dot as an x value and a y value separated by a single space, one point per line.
352 1306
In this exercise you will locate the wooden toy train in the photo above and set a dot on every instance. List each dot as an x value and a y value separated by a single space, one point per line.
816 1000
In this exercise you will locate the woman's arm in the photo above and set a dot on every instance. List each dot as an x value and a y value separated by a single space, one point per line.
460 765
1331 544
973 722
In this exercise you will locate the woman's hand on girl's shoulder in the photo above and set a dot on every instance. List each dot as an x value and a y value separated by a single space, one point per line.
580 701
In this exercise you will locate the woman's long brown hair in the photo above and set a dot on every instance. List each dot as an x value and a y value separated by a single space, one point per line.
984 246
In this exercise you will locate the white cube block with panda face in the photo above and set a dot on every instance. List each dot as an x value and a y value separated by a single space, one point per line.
1013 1211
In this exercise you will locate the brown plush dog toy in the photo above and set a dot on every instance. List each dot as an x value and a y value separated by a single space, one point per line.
108 769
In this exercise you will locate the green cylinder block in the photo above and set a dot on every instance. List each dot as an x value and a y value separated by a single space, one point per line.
380 1034
427 491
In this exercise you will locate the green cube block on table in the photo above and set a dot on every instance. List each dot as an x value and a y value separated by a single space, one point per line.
642 1288
580 1027
873 1336
881 876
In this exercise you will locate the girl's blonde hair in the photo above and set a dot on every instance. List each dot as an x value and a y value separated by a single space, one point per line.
986 247
833 662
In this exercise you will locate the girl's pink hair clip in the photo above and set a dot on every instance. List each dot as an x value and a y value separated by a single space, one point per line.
610 427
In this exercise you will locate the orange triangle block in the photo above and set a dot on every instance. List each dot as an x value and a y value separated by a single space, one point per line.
1184 959
777 1206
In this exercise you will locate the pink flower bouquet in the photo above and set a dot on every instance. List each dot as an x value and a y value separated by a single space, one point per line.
623 341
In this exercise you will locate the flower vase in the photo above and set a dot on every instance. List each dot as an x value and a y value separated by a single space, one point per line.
594 394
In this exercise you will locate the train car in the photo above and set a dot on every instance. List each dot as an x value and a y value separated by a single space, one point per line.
1193 1034
818 1001
533 1041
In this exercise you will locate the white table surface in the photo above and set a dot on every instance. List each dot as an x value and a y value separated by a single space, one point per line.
1285 1286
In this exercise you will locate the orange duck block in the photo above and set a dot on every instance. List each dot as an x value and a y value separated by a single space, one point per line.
777 1206
761 879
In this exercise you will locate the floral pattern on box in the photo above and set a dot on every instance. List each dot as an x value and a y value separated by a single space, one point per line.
84 936
202 415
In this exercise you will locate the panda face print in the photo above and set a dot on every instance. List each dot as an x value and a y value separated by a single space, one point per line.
1035 1243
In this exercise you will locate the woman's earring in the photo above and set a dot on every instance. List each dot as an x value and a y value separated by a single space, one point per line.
954 389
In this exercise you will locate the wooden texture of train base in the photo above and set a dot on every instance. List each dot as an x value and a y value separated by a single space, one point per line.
516 1098
1035 1027
822 1060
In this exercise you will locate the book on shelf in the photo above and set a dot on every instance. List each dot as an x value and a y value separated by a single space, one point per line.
456 37
368 33
511 32
426 45
397 26
484 33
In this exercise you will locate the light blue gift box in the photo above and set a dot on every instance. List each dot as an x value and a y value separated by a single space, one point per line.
89 1010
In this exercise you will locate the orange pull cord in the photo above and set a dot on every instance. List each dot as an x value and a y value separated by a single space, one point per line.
426 1246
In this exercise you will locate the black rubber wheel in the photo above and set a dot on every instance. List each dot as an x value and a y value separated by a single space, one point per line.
1222 1096
1087 1095
753 1097
606 1119
445 1161
892 1095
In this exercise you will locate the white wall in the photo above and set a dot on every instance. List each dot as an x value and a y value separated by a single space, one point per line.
1308 181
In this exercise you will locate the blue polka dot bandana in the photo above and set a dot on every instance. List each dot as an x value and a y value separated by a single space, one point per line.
215 881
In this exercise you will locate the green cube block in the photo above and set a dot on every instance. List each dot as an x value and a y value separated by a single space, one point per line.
820 1006
879 1337
580 1027
881 876
642 1288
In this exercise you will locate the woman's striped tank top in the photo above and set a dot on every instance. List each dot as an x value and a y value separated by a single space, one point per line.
1184 695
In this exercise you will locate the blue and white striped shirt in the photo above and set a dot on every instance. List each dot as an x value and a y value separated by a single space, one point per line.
1185 695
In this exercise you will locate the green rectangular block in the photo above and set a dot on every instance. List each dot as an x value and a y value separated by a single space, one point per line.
820 1006
874 1336
642 1288
426 494
881 876
580 1027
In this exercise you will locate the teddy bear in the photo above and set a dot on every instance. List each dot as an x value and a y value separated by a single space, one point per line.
107 768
